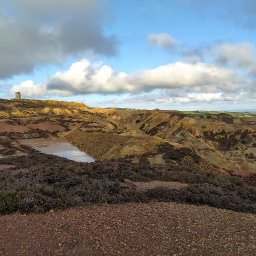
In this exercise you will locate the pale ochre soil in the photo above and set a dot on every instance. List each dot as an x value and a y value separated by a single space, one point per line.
113 133
104 146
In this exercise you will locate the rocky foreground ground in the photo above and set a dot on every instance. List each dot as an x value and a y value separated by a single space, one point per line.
130 229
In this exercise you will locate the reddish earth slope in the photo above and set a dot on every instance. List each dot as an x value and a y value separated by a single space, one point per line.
130 229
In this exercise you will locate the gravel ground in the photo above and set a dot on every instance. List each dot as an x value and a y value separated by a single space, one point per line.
130 229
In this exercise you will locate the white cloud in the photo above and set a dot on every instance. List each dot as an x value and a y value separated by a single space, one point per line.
242 54
175 83
182 74
208 97
84 77
29 89
162 40
176 98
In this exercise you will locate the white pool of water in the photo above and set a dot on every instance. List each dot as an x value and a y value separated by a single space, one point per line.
59 148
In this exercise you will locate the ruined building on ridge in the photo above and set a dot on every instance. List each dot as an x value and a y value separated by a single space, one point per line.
17 95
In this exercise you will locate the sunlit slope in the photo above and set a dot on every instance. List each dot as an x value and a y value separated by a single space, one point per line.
224 140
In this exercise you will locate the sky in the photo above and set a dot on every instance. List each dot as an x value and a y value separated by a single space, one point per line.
147 54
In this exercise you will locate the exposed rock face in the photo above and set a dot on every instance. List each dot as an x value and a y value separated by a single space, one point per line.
219 139
226 141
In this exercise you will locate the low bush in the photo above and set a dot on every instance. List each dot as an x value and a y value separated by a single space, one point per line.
41 182
9 202
204 194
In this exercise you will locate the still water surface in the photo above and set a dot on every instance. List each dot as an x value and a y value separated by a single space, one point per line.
59 148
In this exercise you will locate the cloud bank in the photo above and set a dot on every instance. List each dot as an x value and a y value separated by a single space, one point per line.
242 55
180 80
45 32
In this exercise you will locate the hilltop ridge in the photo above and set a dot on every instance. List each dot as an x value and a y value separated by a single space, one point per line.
211 155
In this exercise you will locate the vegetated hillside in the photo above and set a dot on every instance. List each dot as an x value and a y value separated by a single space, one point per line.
211 155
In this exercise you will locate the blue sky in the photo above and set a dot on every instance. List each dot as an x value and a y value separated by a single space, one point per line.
180 54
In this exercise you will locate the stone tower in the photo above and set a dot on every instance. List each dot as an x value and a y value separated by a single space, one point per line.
17 95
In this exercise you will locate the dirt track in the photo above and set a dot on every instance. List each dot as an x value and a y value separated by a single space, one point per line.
130 229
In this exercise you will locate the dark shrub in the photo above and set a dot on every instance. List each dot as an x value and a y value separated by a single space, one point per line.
9 202
38 203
